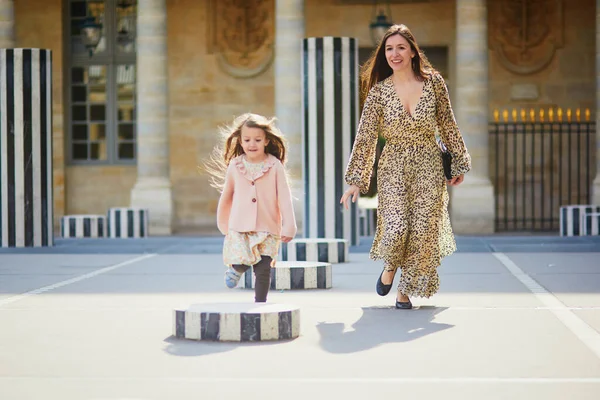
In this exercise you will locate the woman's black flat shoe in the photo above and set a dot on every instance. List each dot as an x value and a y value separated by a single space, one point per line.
403 305
382 289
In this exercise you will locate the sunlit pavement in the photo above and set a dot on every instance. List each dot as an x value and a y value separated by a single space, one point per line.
515 318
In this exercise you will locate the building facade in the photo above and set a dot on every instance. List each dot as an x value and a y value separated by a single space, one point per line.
135 117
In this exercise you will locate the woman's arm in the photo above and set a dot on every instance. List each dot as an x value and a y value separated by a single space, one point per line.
461 160
360 165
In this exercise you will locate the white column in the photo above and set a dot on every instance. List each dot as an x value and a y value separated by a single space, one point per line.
596 185
289 33
152 189
7 24
472 203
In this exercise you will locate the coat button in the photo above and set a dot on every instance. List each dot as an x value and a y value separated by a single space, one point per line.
254 200
252 183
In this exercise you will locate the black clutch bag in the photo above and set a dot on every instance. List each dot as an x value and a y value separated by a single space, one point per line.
446 160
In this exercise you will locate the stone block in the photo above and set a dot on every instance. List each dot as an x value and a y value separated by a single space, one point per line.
128 222
316 249
572 218
237 322
294 275
83 226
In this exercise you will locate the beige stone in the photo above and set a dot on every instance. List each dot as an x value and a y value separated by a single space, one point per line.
152 189
524 91
471 205
7 24
289 33
94 189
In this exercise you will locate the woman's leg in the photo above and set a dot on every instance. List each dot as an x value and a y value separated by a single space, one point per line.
400 296
388 277
262 271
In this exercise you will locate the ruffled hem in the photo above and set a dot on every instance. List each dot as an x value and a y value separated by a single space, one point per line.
247 248
422 285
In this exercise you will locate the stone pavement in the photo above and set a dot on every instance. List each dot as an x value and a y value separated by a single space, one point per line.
515 318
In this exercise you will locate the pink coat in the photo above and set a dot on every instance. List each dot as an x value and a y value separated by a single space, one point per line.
263 204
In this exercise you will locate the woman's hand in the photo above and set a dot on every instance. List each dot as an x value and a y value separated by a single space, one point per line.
351 191
457 180
286 239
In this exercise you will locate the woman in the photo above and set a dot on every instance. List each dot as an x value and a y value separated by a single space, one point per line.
406 103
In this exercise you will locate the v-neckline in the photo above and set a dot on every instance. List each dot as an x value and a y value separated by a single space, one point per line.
411 114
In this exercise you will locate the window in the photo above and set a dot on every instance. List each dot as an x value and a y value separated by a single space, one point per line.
102 84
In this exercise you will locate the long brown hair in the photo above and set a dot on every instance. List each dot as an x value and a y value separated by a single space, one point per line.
230 145
376 68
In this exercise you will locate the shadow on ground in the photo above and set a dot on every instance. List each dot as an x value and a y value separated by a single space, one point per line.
197 348
380 325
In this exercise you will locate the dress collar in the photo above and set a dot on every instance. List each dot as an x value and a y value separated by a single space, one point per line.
268 163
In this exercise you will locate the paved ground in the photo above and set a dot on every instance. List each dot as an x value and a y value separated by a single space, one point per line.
516 318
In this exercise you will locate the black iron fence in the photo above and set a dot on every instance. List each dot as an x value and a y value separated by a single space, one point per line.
540 160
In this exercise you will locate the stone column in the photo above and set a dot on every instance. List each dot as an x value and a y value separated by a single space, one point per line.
7 24
330 110
596 185
26 211
152 189
472 203
289 33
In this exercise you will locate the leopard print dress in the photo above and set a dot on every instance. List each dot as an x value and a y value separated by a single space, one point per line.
413 226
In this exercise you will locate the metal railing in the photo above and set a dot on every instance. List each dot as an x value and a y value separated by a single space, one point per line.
539 161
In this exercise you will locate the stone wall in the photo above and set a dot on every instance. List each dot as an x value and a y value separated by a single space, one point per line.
94 189
202 96
568 81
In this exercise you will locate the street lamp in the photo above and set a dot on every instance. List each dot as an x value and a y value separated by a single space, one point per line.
380 23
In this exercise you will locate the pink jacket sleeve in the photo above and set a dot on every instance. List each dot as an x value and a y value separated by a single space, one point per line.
225 201
286 207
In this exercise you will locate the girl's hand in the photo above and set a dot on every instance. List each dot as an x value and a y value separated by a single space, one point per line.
351 191
286 239
457 180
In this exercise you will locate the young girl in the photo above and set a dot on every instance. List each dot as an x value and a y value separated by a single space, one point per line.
255 210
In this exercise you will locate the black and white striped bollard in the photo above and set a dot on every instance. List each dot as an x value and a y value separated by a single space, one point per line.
127 222
308 249
237 322
26 208
83 226
294 275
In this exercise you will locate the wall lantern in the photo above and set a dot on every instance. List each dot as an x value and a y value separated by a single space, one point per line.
381 22
91 28
126 22
91 33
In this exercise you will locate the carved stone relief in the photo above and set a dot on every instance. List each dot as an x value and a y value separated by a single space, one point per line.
241 34
526 33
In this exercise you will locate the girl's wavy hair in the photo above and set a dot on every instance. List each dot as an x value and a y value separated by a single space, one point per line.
230 145
376 68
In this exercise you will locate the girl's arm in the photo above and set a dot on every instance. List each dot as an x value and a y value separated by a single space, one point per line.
225 201
286 207
461 160
362 158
